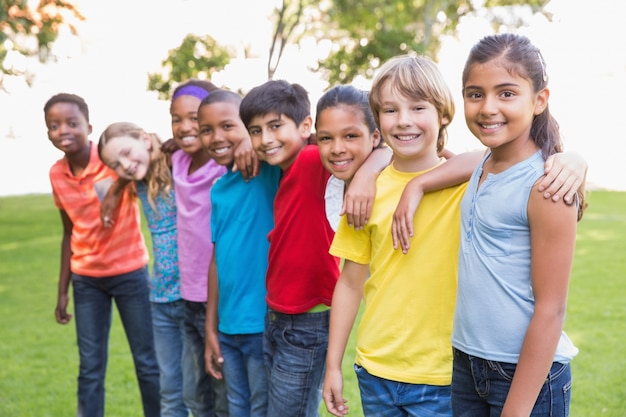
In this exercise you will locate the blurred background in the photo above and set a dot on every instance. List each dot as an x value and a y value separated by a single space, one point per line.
124 57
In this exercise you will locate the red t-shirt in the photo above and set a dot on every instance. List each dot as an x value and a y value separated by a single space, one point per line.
301 273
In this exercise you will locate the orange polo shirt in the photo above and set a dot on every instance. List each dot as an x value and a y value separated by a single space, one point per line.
98 251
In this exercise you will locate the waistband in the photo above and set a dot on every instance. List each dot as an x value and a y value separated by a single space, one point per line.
318 319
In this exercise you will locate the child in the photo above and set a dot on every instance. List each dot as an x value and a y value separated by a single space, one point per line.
241 218
301 274
346 135
403 359
516 249
194 172
103 264
136 155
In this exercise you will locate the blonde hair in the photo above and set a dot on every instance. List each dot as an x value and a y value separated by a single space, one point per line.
159 176
416 78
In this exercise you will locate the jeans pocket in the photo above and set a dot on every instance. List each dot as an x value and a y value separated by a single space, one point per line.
505 370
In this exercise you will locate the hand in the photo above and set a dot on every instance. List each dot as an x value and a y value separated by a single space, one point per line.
565 173
333 393
213 359
402 225
106 211
358 201
169 146
60 312
246 160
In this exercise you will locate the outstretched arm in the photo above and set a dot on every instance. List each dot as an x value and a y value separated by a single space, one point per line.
455 171
359 197
345 305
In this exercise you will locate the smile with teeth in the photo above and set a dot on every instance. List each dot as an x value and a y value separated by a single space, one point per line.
272 151
221 151
491 126
405 138
188 139
340 163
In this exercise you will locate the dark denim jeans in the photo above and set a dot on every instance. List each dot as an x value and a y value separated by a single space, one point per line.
480 388
206 396
294 351
93 310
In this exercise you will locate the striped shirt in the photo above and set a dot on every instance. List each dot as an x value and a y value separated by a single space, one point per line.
97 251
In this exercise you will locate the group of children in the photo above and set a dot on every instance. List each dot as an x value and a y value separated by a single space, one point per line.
246 268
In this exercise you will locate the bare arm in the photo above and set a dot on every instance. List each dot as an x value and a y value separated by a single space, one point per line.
553 237
213 359
455 171
110 201
345 306
359 197
60 311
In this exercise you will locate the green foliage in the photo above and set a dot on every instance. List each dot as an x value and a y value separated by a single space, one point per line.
32 31
368 33
196 57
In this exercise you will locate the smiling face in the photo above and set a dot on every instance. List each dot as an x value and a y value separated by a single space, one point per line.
344 140
68 129
129 157
277 139
221 130
184 114
500 106
410 127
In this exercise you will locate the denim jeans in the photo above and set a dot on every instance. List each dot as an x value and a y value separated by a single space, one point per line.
385 398
480 388
206 396
294 351
245 374
167 324
93 312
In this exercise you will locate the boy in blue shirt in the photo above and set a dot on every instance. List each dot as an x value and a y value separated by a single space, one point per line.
241 218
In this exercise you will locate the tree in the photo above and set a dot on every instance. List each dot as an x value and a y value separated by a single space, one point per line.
196 57
376 30
31 32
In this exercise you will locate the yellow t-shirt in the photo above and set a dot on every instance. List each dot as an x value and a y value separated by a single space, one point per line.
405 330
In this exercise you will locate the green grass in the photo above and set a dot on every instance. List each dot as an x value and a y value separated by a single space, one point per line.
39 358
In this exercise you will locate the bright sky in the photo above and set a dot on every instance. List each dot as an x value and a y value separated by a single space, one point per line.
122 41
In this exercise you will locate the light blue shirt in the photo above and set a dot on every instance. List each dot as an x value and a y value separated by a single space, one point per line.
495 301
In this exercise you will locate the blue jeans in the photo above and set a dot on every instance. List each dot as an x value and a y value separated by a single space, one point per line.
167 324
245 374
294 350
206 396
385 398
480 388
93 312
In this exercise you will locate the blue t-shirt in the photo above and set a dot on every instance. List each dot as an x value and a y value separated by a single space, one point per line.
165 278
242 217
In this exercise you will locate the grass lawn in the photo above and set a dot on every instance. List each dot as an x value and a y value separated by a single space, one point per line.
39 358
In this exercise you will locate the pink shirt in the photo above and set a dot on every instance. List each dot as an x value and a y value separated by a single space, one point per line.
193 205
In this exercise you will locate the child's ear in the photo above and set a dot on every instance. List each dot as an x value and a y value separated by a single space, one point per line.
375 139
89 129
542 101
305 128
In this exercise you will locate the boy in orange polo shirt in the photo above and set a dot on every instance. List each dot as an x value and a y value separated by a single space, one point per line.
103 264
